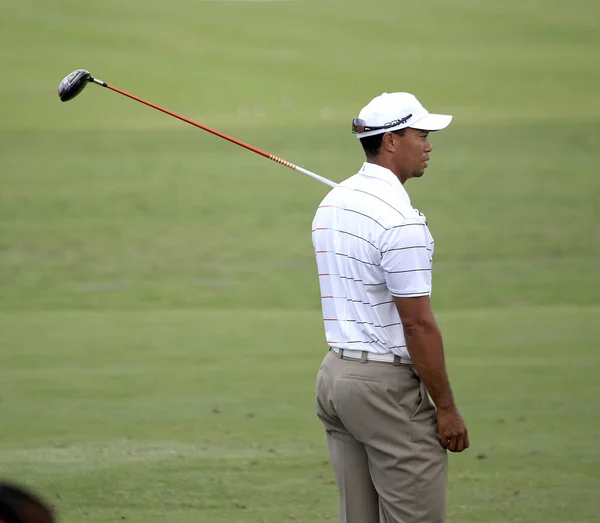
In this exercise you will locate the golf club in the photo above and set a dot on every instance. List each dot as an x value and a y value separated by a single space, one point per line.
76 82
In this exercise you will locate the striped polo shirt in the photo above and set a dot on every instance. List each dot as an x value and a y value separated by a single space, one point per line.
370 245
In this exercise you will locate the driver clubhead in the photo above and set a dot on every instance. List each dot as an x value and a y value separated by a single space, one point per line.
73 84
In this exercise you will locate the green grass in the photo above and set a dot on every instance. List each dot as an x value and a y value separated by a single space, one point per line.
159 310
171 413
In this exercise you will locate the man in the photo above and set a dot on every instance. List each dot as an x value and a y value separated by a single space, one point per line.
374 251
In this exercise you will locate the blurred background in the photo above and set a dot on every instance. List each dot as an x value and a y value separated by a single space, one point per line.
160 325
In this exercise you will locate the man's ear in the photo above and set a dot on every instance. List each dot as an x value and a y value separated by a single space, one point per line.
389 141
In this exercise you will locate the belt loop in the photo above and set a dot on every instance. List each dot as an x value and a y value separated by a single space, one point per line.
363 356
338 353
397 360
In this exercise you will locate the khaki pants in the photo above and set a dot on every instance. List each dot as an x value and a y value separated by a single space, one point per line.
382 437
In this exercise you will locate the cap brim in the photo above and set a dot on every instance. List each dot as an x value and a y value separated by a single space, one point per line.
432 122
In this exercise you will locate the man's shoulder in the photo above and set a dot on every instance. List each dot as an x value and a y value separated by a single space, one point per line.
376 198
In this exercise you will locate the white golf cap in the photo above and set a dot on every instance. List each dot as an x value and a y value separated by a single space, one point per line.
393 111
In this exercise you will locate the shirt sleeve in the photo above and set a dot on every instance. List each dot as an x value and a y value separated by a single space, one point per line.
405 260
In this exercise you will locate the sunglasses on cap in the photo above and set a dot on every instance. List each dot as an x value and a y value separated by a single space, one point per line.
360 126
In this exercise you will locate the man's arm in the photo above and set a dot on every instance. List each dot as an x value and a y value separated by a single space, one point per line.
425 346
406 262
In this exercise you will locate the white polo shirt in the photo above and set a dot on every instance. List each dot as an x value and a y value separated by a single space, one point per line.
370 245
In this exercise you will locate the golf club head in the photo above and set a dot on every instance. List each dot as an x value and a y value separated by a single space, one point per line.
73 84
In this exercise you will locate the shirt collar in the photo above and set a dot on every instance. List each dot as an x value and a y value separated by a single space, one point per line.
372 170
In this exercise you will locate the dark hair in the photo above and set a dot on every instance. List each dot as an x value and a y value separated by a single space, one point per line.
20 505
372 144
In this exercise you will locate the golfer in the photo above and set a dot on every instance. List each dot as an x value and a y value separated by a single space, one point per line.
383 394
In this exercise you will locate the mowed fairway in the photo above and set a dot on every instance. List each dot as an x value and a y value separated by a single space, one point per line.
160 322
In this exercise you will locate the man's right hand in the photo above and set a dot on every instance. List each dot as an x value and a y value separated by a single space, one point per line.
426 349
452 429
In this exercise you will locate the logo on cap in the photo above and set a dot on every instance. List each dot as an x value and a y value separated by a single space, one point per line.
394 123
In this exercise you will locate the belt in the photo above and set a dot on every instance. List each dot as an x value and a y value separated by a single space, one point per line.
364 356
